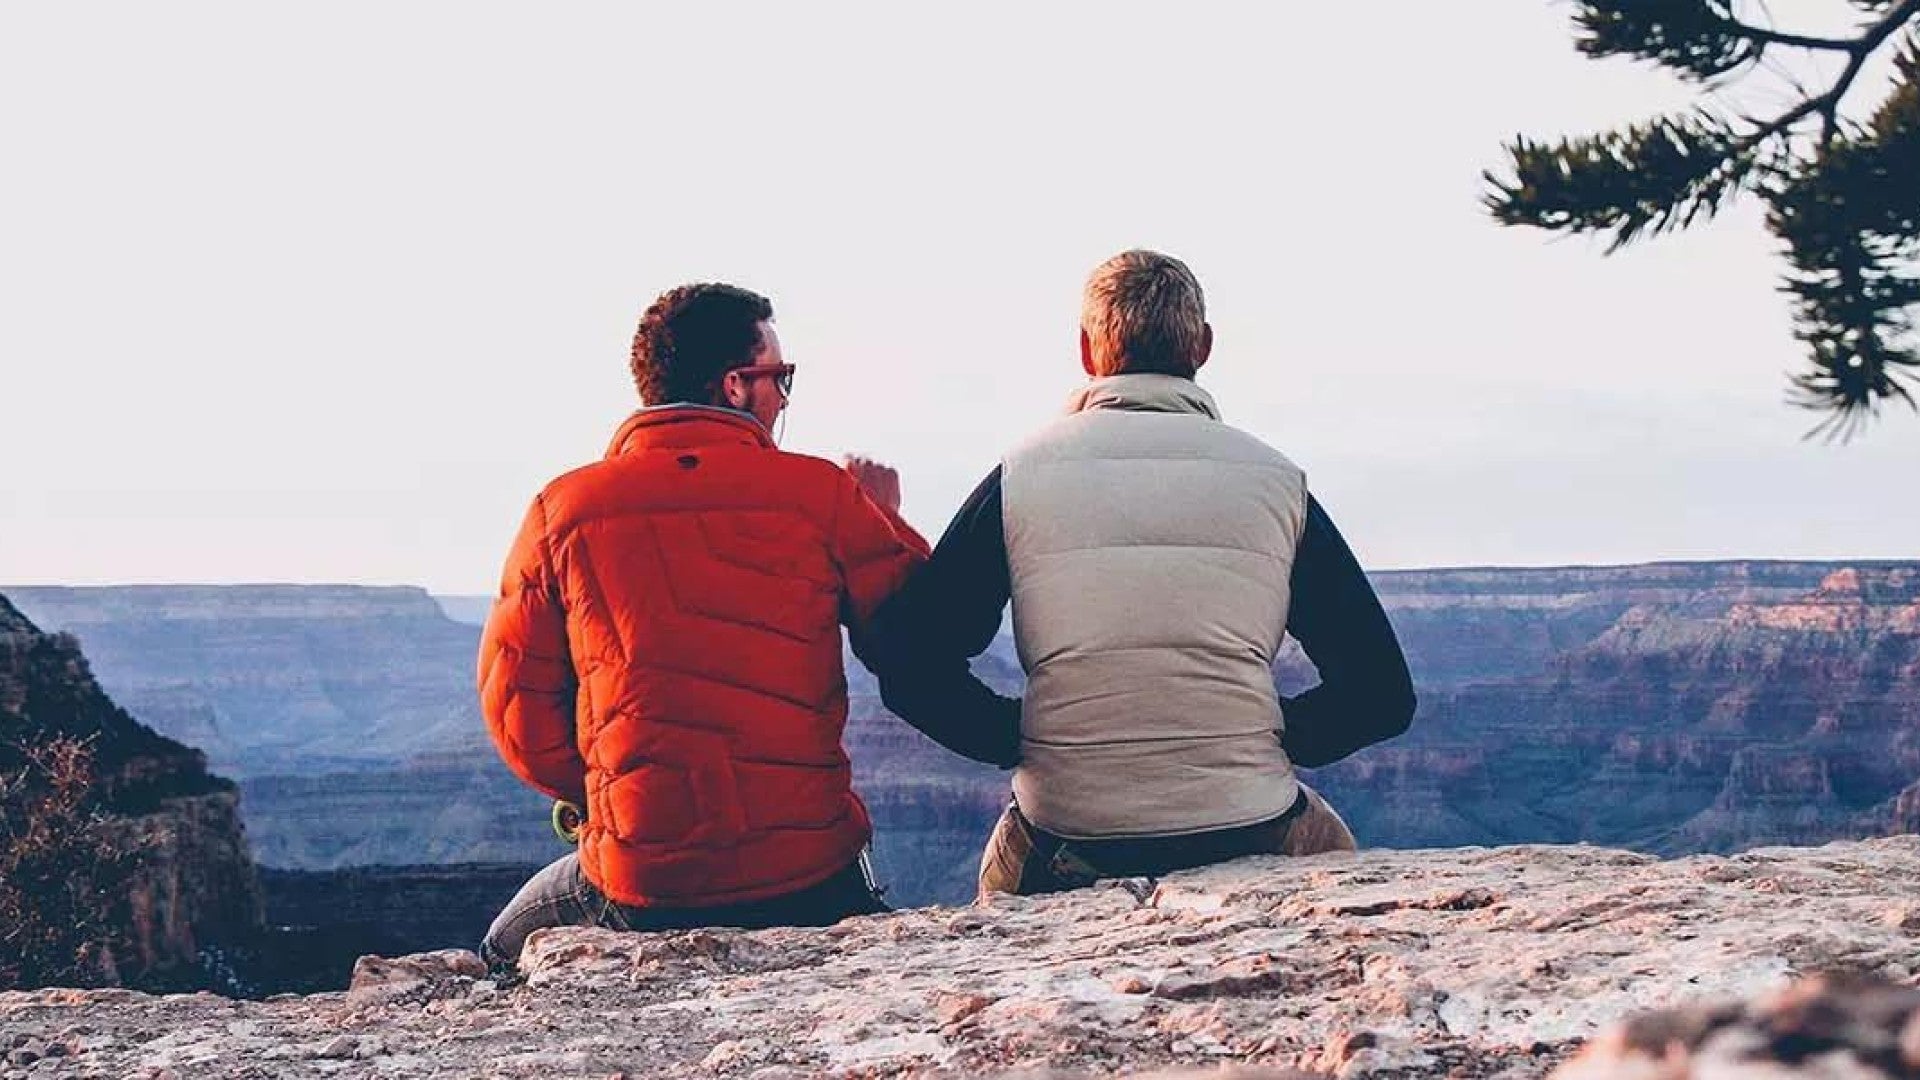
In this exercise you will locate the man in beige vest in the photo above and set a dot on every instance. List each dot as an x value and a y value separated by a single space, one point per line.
1155 558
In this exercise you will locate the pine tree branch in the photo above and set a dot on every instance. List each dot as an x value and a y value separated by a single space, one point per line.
1867 45
1652 177
1694 37
1701 39
1827 105
1766 36
1841 197
1852 230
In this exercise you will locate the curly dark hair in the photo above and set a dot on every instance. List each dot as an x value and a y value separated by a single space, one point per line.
692 336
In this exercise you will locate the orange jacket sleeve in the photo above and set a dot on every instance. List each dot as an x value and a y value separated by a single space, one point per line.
876 550
527 682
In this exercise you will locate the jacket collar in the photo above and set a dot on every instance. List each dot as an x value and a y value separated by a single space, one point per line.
1144 393
687 425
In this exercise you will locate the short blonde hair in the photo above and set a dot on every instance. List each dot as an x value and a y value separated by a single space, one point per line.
1143 313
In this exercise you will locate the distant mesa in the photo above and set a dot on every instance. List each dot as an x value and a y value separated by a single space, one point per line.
472 610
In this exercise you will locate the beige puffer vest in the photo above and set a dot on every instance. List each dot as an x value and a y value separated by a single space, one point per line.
1150 547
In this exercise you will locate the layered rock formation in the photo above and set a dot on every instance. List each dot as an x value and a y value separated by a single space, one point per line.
1753 710
193 886
1497 623
1468 963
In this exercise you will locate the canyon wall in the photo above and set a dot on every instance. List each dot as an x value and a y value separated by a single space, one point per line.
189 888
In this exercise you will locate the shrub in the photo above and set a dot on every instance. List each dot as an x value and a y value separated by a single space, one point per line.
64 869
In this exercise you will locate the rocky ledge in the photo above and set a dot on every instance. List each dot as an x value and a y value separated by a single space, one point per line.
1462 963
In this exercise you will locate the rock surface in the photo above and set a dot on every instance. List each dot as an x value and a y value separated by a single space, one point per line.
196 894
1468 963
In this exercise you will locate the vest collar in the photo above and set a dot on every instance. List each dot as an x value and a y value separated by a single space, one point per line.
687 425
1144 393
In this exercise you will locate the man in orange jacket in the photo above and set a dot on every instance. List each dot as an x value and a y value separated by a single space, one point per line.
665 651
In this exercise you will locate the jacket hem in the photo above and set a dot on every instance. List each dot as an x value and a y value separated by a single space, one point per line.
726 898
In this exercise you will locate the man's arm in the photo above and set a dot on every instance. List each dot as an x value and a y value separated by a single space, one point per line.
874 547
527 684
1365 693
919 643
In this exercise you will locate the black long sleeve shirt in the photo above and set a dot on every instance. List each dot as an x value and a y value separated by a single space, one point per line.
921 641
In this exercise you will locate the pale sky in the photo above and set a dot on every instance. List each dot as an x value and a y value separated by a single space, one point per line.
326 292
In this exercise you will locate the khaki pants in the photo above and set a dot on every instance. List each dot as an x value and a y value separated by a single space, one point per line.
1026 861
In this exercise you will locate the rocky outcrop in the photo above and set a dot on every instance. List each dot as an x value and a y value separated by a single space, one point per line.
195 896
192 885
1902 812
1462 963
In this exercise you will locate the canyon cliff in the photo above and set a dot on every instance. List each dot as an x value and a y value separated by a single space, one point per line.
188 888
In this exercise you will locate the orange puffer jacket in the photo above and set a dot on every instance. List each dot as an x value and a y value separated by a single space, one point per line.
666 653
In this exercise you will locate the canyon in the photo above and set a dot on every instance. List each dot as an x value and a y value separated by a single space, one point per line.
1668 708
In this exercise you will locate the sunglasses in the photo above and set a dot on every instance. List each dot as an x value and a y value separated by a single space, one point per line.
781 373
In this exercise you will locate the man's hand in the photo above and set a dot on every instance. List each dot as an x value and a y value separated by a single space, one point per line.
880 482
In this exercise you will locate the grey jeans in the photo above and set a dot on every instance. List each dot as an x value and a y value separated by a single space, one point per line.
561 895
